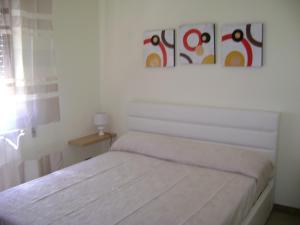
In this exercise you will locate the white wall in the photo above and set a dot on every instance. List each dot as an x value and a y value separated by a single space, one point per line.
76 39
275 86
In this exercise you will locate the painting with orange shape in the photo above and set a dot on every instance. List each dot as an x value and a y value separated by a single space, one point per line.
242 44
159 48
197 43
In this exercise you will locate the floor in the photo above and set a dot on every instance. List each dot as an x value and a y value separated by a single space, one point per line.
279 217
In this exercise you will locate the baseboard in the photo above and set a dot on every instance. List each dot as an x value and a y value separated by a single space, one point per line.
286 209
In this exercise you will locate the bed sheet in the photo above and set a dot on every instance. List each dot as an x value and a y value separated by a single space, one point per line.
133 189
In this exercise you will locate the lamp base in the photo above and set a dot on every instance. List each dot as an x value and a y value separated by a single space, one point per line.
100 131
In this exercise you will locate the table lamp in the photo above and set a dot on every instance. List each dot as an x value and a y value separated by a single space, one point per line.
100 120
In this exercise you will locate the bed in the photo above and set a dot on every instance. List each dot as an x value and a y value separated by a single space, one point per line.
176 165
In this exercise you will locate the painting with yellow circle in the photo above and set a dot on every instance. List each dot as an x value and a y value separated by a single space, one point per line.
242 45
197 43
159 48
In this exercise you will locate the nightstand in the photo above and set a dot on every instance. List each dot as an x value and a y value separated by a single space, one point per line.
92 139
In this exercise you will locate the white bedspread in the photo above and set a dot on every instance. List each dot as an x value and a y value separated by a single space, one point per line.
133 189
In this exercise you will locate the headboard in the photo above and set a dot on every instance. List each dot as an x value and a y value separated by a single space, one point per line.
248 128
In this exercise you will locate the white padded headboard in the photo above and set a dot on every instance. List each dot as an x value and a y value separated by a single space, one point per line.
248 128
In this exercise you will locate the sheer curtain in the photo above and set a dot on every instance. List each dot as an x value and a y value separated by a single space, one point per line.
28 83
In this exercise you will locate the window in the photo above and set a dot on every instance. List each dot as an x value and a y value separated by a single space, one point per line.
5 55
6 82
29 94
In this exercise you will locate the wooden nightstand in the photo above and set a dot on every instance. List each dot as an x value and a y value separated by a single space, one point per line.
92 139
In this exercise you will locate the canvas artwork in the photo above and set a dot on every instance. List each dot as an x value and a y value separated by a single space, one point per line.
242 44
159 48
197 44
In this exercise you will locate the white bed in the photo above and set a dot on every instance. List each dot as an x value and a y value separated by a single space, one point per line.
168 169
257 130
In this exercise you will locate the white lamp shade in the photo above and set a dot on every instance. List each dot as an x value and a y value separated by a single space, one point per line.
101 119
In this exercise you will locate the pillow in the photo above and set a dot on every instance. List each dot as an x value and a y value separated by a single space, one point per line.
199 153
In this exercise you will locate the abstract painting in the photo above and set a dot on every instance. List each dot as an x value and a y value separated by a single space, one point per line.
159 48
197 44
242 44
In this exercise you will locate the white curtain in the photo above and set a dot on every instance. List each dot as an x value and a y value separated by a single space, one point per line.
11 166
28 82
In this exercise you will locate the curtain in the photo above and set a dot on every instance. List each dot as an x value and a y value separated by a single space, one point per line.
11 166
29 94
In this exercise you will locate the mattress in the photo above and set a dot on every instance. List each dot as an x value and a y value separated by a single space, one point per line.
131 187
